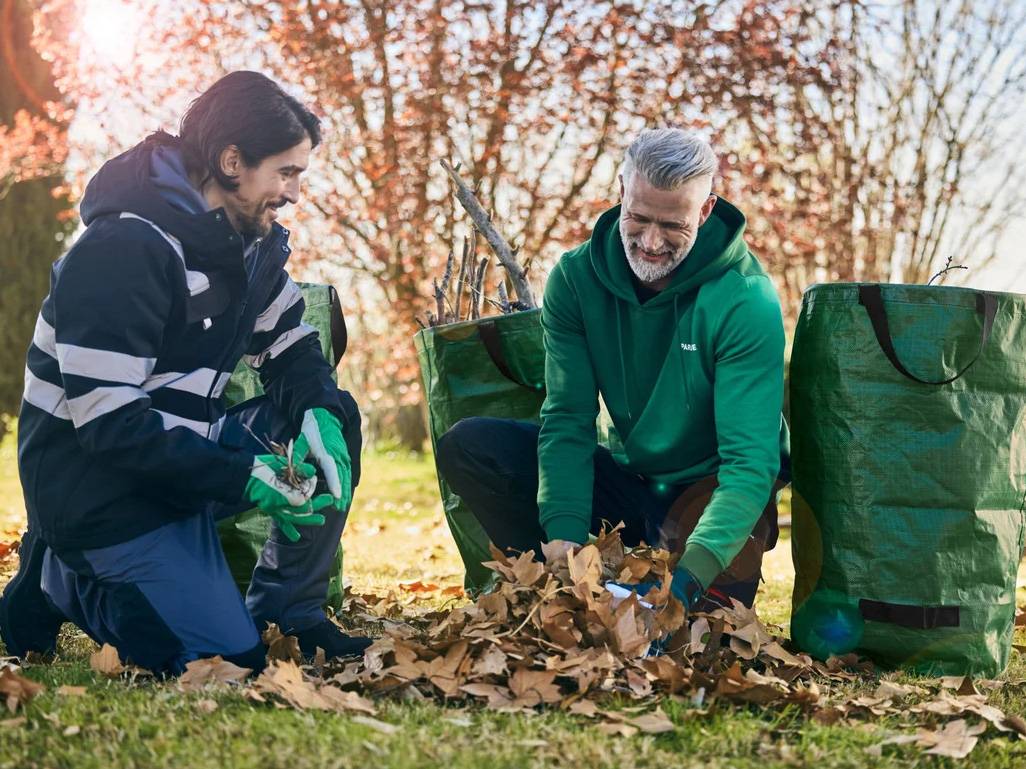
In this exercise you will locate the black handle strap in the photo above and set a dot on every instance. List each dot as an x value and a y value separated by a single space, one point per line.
489 334
915 617
871 297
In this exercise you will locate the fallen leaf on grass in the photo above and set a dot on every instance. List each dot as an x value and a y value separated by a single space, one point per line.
11 723
656 722
285 681
72 730
71 691
106 661
955 739
213 670
418 587
16 689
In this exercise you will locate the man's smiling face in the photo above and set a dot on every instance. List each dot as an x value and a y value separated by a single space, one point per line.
264 188
659 227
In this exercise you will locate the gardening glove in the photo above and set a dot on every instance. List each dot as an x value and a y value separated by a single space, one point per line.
287 505
321 437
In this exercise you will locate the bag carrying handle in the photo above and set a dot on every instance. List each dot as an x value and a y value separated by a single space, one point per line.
489 334
916 617
871 297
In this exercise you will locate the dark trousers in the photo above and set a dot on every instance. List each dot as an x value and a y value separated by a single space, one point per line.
492 464
167 597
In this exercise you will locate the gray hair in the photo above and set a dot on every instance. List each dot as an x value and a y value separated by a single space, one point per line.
669 157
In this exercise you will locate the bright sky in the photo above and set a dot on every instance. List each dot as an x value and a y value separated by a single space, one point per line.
1008 273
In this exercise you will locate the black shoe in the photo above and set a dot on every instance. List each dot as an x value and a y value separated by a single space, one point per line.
28 621
329 636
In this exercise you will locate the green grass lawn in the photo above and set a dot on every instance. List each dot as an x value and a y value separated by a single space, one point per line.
396 533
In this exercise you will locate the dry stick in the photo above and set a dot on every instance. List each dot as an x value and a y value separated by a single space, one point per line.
506 255
440 301
504 297
948 267
478 289
462 279
442 291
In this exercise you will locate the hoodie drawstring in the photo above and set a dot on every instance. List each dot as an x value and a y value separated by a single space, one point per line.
623 365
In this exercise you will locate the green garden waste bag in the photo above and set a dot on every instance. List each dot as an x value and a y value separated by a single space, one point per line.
243 536
492 367
908 418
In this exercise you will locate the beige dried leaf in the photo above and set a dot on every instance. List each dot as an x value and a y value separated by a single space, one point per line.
656 722
534 687
17 690
106 661
499 697
586 567
491 663
212 670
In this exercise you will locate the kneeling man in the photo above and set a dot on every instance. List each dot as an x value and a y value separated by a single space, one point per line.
667 315
125 451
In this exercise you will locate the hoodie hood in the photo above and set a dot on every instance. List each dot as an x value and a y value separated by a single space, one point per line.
719 246
150 181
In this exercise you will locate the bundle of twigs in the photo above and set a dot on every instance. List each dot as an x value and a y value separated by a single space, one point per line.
466 299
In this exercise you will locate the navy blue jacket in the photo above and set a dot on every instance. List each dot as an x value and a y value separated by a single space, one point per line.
147 316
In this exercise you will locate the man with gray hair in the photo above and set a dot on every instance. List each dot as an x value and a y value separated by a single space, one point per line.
667 315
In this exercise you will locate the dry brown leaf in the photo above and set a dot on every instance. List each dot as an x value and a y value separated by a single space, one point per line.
656 722
526 570
17 690
956 739
491 663
417 586
281 647
213 670
617 728
1017 724
896 691
534 687
106 661
499 697
586 567
71 691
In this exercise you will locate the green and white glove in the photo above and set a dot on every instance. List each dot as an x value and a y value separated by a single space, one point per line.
288 505
321 437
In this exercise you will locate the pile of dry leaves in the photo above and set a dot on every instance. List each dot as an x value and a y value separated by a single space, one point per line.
550 634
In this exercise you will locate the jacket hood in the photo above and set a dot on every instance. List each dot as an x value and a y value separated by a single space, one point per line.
719 245
149 180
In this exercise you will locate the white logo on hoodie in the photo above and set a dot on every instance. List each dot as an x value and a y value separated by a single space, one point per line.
689 347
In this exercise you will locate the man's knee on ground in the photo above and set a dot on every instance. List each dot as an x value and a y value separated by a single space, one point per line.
456 444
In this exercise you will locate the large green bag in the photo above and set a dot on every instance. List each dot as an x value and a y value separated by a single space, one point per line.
908 409
243 536
492 367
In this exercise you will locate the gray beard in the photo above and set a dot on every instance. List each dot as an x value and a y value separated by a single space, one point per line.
647 272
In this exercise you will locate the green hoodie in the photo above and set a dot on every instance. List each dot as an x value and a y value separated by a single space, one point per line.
693 380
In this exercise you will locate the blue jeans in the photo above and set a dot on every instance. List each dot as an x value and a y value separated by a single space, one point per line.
492 464
167 597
